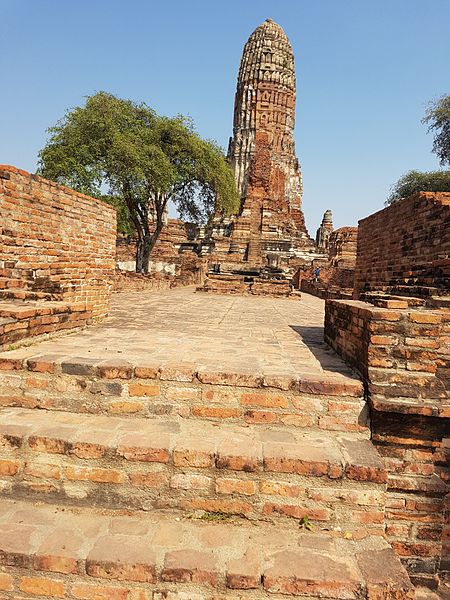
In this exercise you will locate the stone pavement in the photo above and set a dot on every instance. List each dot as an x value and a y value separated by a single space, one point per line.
227 333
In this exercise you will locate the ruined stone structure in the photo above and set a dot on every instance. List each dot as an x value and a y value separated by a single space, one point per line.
262 154
57 256
324 232
337 273
399 340
342 247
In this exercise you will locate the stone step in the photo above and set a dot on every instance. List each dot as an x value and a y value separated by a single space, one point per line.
328 401
57 552
19 293
337 481
21 320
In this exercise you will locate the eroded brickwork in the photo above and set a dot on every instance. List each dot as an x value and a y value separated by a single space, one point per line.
402 354
406 245
262 154
342 247
400 346
56 243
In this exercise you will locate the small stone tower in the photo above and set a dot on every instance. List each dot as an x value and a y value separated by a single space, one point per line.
324 232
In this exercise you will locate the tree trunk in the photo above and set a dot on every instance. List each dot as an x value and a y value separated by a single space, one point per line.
142 255
145 240
144 247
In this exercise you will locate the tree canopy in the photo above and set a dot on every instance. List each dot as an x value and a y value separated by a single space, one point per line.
417 181
127 154
438 120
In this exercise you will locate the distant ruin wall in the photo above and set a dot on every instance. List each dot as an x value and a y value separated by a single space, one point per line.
55 241
342 247
406 244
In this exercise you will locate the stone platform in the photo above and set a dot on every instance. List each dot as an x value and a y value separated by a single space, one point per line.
259 336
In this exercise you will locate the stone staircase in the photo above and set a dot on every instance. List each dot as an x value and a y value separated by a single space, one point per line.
123 480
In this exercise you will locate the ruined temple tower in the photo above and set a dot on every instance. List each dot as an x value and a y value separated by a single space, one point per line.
262 151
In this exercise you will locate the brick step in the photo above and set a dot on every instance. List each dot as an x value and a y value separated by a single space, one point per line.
27 309
337 482
19 293
22 320
57 552
331 402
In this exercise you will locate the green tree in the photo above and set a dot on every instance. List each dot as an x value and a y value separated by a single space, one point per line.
438 120
416 181
123 150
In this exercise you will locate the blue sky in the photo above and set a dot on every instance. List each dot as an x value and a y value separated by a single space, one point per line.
366 70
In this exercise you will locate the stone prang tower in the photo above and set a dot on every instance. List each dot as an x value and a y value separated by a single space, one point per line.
262 151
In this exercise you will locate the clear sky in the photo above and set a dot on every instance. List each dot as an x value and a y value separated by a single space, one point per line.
366 70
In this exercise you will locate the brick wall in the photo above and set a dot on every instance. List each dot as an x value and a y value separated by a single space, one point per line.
406 244
399 351
403 355
55 242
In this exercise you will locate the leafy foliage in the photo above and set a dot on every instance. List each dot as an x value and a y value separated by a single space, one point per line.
125 151
305 523
416 181
438 120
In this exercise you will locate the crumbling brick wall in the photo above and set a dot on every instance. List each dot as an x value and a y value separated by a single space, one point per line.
403 356
399 351
400 345
55 241
406 244
342 247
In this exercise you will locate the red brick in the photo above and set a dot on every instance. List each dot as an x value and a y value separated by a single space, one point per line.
304 572
43 470
146 372
190 566
264 400
50 445
94 474
115 369
261 416
153 448
225 485
122 557
6 582
215 412
178 372
183 393
190 481
276 488
119 407
239 454
245 572
143 389
425 317
194 453
9 467
41 586
10 364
